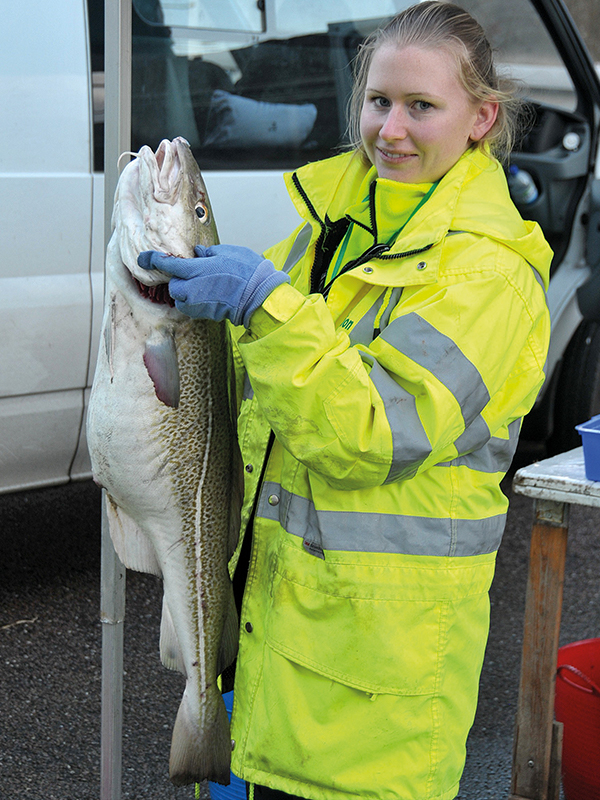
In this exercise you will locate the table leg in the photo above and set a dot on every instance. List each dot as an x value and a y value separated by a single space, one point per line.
534 758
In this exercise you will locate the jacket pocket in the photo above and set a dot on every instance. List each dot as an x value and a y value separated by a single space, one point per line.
367 626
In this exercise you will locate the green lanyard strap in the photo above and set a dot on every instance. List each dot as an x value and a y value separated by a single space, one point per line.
392 239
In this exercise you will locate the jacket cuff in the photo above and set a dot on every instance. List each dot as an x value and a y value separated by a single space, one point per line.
278 308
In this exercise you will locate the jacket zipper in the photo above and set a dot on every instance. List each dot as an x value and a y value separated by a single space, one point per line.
315 216
375 251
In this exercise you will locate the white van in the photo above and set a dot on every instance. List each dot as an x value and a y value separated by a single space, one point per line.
257 88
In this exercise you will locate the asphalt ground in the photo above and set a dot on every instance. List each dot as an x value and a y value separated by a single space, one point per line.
50 652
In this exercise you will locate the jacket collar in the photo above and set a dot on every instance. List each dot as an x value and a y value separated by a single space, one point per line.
387 207
328 190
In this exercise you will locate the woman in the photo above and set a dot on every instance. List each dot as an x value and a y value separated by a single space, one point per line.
393 344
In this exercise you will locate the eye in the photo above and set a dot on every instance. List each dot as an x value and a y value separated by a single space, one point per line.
381 102
201 212
423 105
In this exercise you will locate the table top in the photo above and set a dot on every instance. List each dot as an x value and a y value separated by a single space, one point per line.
560 478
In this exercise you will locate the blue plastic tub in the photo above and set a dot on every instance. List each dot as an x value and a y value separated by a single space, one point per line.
237 788
590 438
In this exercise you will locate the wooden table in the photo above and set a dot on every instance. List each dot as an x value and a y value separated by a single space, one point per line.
555 484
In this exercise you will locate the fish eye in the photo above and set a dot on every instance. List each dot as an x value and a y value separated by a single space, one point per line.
201 212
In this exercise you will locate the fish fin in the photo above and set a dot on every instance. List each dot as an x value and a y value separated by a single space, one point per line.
131 543
229 638
170 651
197 754
160 358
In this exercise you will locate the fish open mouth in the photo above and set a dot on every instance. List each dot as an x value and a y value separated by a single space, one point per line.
158 294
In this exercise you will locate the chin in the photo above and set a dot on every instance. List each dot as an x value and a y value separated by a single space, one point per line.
399 175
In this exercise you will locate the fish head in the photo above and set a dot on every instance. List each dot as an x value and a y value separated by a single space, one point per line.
161 203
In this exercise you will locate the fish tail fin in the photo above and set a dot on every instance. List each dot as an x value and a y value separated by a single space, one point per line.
197 755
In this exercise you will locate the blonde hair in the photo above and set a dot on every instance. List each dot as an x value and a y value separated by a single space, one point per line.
433 25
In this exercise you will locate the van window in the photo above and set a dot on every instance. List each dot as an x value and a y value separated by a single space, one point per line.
524 50
268 101
586 14
248 100
245 16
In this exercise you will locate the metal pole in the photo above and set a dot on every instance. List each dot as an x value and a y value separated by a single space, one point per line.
117 97
117 139
112 615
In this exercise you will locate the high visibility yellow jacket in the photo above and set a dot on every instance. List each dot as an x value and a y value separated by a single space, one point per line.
395 402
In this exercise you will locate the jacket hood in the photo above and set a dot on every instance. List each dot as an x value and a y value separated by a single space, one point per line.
461 202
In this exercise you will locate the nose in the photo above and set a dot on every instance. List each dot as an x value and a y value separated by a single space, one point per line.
394 126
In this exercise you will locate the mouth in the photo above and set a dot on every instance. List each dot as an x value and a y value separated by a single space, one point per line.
391 155
158 294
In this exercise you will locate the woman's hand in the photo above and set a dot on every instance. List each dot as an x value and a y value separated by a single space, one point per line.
223 282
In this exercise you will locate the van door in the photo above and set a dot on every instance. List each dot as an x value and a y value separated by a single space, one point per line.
45 213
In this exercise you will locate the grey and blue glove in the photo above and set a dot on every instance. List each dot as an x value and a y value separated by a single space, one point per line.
223 282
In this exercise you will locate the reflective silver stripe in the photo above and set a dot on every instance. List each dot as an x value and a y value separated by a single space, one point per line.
494 456
540 280
299 248
410 445
379 533
364 330
294 513
393 302
425 345
474 437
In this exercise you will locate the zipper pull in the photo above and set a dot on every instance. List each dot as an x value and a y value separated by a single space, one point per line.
377 250
373 252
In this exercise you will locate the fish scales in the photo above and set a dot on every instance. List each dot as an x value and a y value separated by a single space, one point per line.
162 440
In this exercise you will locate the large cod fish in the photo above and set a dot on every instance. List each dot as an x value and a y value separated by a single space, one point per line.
161 435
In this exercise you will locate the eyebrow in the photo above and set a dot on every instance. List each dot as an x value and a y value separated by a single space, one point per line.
427 95
409 96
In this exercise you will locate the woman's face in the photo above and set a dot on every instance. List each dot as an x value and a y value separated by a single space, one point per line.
417 119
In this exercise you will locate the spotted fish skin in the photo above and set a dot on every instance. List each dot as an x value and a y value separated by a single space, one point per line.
162 440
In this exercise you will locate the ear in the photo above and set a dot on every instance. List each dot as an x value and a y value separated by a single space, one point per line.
486 116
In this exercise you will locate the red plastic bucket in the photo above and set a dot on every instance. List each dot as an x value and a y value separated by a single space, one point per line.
577 706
